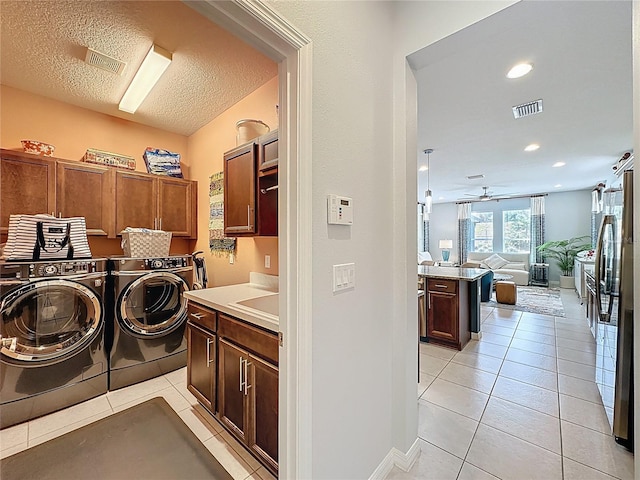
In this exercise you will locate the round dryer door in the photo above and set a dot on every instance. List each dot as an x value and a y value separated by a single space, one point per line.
48 319
153 304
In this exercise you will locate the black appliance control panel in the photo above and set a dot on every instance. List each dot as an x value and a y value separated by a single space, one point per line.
164 263
60 269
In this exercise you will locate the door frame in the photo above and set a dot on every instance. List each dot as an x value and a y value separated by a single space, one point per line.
261 27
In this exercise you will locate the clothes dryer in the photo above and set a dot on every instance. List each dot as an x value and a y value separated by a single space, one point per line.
52 344
148 317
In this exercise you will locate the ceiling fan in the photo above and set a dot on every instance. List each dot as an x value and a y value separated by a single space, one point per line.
488 195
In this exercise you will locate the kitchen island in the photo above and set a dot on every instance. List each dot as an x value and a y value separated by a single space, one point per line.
452 296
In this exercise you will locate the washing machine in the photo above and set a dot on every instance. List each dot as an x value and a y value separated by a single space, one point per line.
52 336
147 323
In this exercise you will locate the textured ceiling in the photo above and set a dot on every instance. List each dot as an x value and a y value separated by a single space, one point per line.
43 46
582 59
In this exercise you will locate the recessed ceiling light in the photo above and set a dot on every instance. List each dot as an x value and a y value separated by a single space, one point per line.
558 185
532 147
440 198
559 164
519 70
423 168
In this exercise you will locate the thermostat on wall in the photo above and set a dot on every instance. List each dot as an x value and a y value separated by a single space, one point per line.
339 210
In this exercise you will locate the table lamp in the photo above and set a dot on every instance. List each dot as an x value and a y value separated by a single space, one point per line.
445 246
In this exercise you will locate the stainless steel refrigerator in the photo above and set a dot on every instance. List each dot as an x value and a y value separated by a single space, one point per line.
614 301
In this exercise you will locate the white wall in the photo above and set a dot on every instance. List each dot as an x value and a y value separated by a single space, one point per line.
443 224
365 340
568 214
351 156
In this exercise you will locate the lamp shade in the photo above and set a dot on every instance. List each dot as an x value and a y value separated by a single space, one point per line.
445 244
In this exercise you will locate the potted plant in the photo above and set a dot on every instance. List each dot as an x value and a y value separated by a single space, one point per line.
564 253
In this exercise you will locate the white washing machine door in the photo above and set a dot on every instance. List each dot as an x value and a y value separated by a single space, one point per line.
48 320
153 304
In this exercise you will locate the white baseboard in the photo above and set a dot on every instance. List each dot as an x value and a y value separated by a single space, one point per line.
395 457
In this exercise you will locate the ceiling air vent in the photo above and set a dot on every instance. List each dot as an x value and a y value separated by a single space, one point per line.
104 62
475 177
527 109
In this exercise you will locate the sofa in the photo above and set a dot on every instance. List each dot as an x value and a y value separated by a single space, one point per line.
514 264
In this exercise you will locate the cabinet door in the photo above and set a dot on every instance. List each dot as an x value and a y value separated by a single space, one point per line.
201 365
86 191
442 317
135 201
240 190
263 438
27 186
232 398
268 151
176 206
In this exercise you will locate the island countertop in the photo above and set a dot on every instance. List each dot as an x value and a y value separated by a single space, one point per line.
452 273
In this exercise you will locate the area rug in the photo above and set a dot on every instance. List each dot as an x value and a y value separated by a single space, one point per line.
542 300
147 441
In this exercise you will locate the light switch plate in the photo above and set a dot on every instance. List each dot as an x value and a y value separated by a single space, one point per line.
267 261
344 276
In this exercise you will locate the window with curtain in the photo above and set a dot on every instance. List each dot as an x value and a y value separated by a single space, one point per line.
481 231
516 231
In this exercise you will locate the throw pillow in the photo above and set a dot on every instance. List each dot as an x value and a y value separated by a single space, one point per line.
495 261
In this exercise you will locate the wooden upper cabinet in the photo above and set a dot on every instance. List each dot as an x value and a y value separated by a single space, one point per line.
176 206
135 201
268 152
240 190
27 186
86 191
109 199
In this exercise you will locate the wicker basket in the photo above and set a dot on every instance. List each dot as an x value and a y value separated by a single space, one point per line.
150 243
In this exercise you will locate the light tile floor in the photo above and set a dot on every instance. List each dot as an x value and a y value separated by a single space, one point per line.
172 387
521 403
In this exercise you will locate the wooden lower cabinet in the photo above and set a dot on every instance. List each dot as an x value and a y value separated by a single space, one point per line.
233 402
448 313
243 394
263 411
201 365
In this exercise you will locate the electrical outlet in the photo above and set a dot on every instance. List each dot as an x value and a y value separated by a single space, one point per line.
267 261
231 258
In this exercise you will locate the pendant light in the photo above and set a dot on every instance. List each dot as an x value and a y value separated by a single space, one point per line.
428 197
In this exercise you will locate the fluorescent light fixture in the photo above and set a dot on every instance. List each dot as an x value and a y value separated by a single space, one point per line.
423 168
152 68
519 70
532 147
558 164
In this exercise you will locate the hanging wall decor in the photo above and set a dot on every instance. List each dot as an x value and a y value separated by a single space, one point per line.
218 243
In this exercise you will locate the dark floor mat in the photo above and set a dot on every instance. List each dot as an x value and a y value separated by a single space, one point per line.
147 441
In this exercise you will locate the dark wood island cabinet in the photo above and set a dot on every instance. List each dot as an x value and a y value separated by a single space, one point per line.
452 304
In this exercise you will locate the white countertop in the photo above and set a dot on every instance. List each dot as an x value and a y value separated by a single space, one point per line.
226 299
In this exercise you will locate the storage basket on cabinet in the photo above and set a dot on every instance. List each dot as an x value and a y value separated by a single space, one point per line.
146 243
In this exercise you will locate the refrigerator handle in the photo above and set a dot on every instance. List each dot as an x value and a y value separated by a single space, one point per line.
606 220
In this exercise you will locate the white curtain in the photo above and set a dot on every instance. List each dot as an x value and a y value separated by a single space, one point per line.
464 231
537 227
